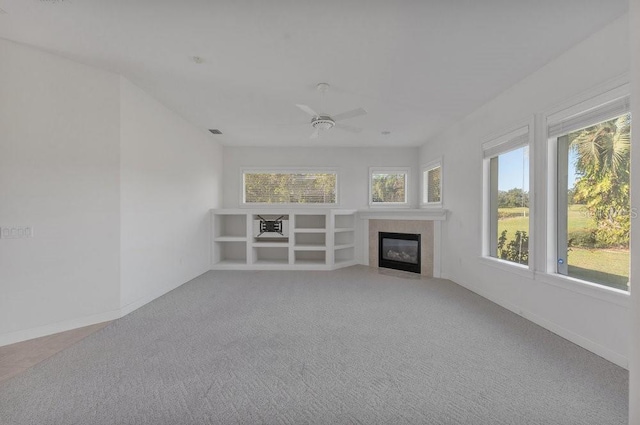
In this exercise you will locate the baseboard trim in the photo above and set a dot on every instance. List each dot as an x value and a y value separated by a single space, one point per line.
54 328
132 306
587 344
67 325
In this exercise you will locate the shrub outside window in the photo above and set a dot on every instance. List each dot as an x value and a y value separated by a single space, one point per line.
388 186
290 187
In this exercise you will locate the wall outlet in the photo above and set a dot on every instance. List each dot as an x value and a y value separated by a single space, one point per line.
16 232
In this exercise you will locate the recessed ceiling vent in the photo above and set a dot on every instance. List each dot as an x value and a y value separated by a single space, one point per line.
215 131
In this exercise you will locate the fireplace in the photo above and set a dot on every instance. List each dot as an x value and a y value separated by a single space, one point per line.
400 251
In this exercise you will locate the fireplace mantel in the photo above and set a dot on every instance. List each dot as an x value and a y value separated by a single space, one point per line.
403 214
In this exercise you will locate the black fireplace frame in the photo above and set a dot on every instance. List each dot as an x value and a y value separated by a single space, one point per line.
400 265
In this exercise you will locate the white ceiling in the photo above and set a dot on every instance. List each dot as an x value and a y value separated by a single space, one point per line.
416 66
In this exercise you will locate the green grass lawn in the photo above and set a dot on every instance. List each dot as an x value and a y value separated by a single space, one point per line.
606 266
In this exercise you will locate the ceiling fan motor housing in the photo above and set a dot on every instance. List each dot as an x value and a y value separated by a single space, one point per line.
323 122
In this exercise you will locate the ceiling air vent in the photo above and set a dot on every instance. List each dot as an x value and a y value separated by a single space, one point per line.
215 131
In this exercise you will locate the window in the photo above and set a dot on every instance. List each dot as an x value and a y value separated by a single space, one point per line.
289 187
432 183
592 208
388 186
507 217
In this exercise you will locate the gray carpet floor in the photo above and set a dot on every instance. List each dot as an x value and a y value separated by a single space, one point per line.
354 346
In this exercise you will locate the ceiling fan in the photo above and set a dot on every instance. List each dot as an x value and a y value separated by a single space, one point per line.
323 121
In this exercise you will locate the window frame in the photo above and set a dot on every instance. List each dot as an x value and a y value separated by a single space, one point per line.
553 118
288 170
516 137
390 170
424 196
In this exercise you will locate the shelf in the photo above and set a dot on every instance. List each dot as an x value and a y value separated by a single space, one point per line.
318 239
314 256
309 262
271 262
311 221
344 229
344 238
270 244
230 239
309 247
271 255
344 254
310 230
230 264
230 251
344 246
344 263
230 226
345 223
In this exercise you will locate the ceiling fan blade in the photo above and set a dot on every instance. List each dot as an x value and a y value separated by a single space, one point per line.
348 128
349 114
308 110
315 134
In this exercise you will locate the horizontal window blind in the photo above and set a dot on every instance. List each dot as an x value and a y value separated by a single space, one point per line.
509 144
290 188
588 118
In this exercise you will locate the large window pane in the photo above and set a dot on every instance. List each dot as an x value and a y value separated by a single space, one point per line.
509 181
593 203
289 188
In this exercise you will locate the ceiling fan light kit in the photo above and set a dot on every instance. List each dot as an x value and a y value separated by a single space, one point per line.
324 122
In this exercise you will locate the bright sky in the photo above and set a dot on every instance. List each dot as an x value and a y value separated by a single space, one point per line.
513 170
511 173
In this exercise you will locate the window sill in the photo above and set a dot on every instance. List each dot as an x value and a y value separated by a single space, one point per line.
508 266
433 205
288 206
612 295
390 205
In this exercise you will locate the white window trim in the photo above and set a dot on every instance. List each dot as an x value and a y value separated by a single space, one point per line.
493 146
509 266
590 101
390 170
286 170
425 169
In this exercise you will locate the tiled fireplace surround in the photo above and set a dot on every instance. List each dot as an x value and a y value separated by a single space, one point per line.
425 228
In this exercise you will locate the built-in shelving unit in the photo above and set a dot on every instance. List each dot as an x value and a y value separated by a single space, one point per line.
315 239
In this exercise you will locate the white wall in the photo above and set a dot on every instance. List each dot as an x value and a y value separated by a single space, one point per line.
594 319
59 172
352 163
170 178
634 354
117 188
